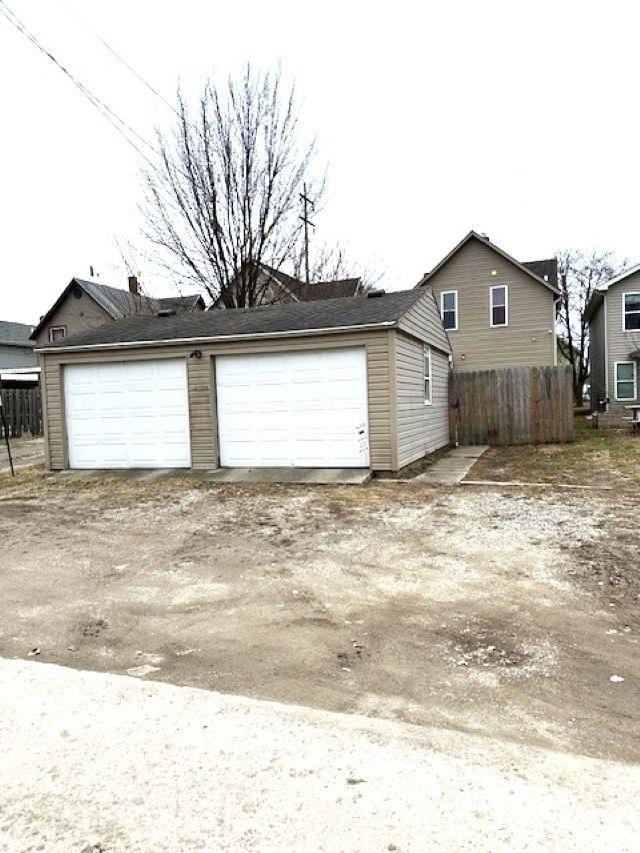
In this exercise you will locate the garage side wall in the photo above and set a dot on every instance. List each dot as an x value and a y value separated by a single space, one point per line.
421 428
201 384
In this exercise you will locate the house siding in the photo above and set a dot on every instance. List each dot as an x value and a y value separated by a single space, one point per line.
421 429
528 340
620 342
76 315
16 356
597 358
201 385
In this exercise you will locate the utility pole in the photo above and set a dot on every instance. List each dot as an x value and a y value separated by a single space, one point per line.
306 203
5 430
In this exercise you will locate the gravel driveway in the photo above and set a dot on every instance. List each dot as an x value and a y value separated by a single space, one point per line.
497 613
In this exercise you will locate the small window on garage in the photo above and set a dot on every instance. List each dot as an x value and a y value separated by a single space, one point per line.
57 333
427 375
499 306
449 309
626 380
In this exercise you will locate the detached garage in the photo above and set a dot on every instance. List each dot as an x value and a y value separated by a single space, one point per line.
337 383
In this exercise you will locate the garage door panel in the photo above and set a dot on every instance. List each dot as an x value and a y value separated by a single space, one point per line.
302 408
127 414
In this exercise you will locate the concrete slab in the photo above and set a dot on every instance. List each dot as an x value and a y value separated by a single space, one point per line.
302 476
452 468
106 762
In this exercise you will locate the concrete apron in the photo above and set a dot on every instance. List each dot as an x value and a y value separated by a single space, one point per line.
302 476
454 467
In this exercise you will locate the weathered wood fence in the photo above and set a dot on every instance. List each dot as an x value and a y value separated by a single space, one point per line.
519 405
22 411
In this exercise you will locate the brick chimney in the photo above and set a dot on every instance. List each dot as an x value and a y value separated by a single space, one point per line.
134 286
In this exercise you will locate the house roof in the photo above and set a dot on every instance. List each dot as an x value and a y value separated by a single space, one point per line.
597 297
119 303
308 291
473 235
263 321
546 269
15 334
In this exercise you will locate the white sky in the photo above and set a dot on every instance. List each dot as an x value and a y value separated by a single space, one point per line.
517 119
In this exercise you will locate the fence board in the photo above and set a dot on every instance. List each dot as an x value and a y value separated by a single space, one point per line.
518 405
22 411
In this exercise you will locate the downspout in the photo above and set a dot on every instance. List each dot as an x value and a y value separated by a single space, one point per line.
556 302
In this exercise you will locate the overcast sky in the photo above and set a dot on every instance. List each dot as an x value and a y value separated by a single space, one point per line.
518 120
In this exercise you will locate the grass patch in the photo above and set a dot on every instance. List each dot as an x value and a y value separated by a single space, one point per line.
597 457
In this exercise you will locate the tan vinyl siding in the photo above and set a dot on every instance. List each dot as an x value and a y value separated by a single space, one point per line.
202 411
619 341
421 429
529 338
423 321
597 358
76 315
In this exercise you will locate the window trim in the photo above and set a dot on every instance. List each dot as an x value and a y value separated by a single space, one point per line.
53 329
624 311
442 295
504 287
427 377
634 364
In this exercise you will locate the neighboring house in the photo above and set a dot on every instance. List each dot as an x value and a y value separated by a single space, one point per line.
86 305
497 311
613 315
16 346
330 383
274 286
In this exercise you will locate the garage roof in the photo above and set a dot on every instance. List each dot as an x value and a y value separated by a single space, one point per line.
300 317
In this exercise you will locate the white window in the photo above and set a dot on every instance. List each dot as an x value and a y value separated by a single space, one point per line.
449 309
57 333
427 376
499 306
631 311
626 380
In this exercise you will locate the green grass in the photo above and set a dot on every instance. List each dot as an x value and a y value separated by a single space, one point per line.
597 457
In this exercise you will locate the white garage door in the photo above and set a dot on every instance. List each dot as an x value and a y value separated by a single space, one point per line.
128 414
307 409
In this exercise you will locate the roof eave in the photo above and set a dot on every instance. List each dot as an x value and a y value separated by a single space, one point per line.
485 240
204 339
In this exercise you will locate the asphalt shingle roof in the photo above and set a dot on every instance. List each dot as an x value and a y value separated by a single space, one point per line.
263 320
546 269
15 333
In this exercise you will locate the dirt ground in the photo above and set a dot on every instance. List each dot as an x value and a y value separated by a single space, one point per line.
500 612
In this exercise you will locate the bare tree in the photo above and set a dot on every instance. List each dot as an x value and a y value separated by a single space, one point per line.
225 198
579 275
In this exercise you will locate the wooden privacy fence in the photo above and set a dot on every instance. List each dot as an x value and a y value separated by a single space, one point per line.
22 411
516 405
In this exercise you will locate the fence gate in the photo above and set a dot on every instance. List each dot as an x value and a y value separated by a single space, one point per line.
22 411
516 405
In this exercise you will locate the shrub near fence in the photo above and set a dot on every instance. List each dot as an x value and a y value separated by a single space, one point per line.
22 411
518 405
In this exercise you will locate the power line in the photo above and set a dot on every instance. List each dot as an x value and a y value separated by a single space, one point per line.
112 117
115 53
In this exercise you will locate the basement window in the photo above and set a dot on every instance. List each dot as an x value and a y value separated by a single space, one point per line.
427 376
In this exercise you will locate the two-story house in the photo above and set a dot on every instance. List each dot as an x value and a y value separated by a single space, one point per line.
85 305
613 314
498 312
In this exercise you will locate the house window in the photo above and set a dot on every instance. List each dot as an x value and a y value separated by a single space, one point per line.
427 375
631 311
449 309
626 380
57 333
499 306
